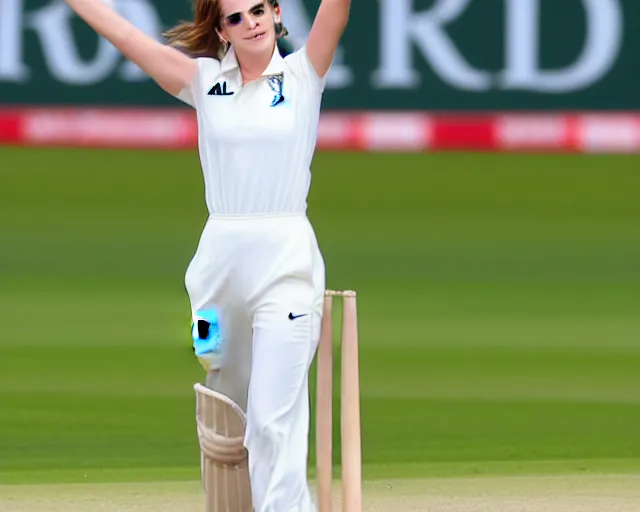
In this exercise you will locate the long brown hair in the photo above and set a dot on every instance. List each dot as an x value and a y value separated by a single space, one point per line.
199 38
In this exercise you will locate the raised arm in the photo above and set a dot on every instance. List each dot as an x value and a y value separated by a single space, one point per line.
171 69
328 27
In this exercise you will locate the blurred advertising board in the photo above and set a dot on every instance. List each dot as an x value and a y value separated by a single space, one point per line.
437 55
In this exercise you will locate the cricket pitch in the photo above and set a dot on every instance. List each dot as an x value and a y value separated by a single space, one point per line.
586 493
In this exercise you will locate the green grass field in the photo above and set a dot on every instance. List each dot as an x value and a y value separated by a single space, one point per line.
498 298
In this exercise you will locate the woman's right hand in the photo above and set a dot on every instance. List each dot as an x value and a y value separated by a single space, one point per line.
168 67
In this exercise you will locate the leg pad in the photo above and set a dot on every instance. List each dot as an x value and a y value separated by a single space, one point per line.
224 458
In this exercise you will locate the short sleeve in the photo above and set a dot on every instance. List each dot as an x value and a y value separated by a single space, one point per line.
206 71
301 66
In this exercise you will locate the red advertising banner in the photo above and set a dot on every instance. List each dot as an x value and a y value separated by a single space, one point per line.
358 131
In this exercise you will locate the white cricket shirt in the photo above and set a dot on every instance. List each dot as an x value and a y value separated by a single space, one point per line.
256 142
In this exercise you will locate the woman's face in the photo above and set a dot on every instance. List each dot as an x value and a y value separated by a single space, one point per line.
249 25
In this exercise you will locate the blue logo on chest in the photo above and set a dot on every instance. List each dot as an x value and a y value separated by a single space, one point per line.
276 83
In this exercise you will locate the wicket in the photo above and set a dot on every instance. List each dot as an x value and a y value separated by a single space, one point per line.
350 407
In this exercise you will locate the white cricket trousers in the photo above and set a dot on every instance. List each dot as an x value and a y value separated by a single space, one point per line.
265 277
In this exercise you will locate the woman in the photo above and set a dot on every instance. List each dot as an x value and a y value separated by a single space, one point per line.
257 274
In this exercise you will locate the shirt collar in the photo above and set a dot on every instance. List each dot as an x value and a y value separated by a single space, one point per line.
230 63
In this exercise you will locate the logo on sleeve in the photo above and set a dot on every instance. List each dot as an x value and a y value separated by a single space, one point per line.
220 90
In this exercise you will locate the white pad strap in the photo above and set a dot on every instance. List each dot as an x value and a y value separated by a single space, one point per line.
226 451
